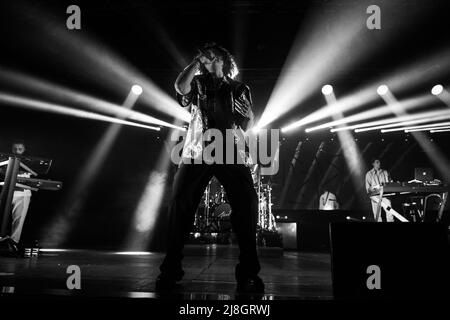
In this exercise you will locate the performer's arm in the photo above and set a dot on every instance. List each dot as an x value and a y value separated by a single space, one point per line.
184 79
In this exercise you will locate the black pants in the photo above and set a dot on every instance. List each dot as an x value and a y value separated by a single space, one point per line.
189 185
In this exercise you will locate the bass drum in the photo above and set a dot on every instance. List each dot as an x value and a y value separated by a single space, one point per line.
221 215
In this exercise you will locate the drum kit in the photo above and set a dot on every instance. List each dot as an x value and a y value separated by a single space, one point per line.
213 215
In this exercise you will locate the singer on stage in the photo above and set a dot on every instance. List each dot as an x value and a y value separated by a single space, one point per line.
217 101
375 178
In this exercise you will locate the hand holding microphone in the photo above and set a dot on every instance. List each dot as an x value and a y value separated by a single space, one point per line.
204 57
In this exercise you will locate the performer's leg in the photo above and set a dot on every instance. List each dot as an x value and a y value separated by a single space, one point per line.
386 203
188 187
238 185
20 204
374 201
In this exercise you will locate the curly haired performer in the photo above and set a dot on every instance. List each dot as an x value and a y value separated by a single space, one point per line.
219 102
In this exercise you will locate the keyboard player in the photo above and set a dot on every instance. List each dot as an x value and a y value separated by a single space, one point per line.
21 199
375 178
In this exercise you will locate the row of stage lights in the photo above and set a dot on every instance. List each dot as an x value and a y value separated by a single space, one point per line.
382 90
402 122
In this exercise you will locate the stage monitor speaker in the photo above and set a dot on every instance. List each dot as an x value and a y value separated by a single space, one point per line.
390 260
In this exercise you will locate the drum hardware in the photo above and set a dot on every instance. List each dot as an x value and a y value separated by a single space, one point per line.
215 211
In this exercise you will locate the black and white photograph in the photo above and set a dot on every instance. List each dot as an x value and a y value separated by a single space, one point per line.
226 159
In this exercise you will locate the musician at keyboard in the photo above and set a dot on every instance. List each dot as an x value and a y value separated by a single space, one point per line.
21 199
375 178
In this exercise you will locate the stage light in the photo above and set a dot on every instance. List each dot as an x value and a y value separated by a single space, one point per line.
400 79
382 90
407 104
407 123
427 129
384 121
327 89
66 95
317 55
443 94
134 253
416 127
437 89
100 65
440 130
137 89
54 250
63 110
256 129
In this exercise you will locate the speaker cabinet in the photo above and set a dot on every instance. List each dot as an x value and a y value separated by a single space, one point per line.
390 260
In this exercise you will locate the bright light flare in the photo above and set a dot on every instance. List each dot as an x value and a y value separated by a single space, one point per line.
437 90
63 110
256 129
327 89
433 125
406 104
54 91
405 77
440 130
316 56
100 64
134 253
382 90
137 89
427 129
406 123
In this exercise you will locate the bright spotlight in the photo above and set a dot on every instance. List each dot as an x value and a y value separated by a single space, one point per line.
63 110
440 130
327 89
137 89
134 253
256 129
382 90
73 97
437 89
411 128
428 129
416 121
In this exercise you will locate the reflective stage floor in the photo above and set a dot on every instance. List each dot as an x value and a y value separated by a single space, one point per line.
209 274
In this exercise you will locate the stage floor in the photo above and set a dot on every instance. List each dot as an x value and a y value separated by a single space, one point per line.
209 274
